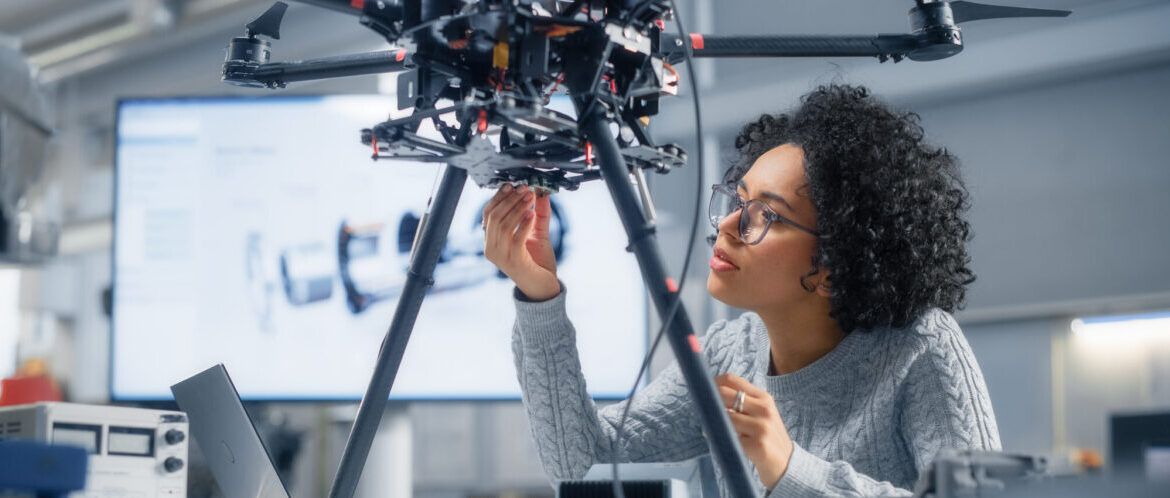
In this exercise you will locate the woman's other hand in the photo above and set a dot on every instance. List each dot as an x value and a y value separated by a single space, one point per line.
759 426
516 240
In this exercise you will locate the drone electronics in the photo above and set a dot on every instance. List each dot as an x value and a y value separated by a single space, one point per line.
482 69
497 62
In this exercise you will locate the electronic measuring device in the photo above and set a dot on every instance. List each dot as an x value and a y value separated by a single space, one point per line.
132 451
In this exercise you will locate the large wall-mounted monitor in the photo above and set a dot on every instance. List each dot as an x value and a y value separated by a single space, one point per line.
257 232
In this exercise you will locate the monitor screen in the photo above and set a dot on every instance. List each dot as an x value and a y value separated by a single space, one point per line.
257 232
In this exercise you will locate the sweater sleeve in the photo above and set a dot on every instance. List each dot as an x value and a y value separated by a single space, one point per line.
571 433
810 475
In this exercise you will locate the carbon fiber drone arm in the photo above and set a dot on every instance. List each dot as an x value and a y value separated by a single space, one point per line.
279 74
789 46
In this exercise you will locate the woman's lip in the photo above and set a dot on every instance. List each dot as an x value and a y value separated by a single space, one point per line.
719 265
720 256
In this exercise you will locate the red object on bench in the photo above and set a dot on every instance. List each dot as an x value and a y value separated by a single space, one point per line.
31 389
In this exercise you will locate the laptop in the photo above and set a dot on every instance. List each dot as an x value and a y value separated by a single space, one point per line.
225 434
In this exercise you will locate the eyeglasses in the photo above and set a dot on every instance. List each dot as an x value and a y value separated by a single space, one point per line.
755 219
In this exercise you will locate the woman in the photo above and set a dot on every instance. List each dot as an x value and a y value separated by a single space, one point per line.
841 231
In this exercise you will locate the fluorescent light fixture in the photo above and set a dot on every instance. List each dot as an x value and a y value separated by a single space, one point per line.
1135 325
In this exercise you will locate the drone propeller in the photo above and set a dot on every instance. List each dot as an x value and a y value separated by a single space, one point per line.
970 11
268 23
935 24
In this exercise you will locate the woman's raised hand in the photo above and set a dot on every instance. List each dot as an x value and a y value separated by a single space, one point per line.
516 240
761 431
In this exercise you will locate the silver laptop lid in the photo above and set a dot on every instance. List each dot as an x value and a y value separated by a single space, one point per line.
226 436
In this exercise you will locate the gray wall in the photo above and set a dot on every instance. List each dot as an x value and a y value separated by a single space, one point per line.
1016 361
1070 187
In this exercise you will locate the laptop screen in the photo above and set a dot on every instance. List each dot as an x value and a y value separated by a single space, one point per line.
225 434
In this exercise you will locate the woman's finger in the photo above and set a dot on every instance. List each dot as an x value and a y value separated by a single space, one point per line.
745 424
728 390
510 222
498 221
527 220
501 194
728 395
506 199
733 381
489 211
543 212
748 424
736 382
506 195
751 405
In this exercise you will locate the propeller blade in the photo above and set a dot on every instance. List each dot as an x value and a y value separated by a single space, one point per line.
964 11
268 23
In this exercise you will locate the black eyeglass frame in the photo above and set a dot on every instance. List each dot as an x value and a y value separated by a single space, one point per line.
769 215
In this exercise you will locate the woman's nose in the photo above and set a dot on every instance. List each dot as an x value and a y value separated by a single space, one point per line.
730 224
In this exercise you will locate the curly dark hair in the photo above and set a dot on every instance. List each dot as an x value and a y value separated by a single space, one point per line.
889 205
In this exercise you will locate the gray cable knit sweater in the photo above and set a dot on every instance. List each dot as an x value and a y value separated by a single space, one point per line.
865 418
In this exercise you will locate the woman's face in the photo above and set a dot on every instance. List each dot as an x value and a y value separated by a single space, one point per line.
767 275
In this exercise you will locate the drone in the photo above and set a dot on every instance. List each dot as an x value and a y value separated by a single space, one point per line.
496 63
482 74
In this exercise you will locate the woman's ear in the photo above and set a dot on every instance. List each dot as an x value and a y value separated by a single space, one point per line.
824 287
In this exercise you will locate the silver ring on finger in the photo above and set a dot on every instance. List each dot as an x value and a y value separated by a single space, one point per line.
737 405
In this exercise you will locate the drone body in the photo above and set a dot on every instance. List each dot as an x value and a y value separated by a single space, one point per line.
493 65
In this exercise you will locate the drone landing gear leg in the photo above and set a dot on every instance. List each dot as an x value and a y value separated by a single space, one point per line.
418 280
693 364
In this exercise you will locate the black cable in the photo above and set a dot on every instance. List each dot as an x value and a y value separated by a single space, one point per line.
617 488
